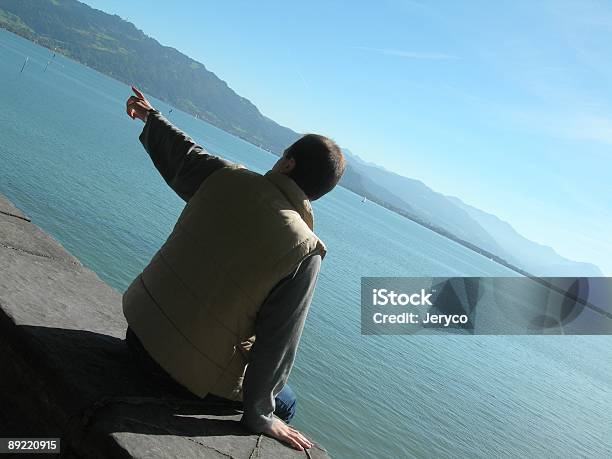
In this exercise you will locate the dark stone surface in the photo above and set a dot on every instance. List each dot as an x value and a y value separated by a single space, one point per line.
68 373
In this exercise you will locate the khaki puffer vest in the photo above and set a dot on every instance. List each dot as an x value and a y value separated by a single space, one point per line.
194 306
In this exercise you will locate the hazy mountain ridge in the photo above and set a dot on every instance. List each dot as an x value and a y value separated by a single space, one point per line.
426 205
533 257
117 48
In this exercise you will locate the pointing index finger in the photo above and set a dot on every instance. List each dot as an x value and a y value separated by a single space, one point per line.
138 93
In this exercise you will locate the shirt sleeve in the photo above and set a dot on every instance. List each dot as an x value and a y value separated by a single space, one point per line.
182 163
278 329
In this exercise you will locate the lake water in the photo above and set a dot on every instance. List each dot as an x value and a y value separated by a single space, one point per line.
71 159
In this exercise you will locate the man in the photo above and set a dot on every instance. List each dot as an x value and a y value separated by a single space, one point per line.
233 283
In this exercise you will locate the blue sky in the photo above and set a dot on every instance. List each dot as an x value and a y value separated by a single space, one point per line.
506 104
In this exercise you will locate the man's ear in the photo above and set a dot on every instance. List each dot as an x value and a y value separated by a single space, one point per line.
287 166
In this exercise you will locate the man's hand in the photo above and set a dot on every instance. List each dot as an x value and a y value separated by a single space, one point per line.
138 106
287 434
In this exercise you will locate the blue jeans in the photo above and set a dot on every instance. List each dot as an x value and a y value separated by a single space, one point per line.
285 400
285 404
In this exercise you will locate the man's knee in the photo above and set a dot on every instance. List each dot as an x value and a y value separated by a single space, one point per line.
286 402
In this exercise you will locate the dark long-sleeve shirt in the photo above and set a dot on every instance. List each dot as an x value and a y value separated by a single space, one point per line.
184 165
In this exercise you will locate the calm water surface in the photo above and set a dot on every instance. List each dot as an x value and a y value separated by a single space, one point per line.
70 158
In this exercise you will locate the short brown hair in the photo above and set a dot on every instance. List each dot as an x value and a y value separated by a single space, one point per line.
319 164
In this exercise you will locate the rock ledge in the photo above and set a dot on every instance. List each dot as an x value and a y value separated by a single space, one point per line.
66 371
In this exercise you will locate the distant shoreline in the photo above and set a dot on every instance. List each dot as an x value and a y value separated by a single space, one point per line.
452 237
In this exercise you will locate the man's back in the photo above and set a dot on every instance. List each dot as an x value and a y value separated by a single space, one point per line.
238 236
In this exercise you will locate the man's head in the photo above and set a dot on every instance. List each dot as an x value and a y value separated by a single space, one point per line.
315 163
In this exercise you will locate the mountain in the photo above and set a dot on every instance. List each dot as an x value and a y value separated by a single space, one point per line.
117 48
421 203
535 258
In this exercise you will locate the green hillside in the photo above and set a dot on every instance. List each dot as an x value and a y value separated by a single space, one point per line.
117 48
